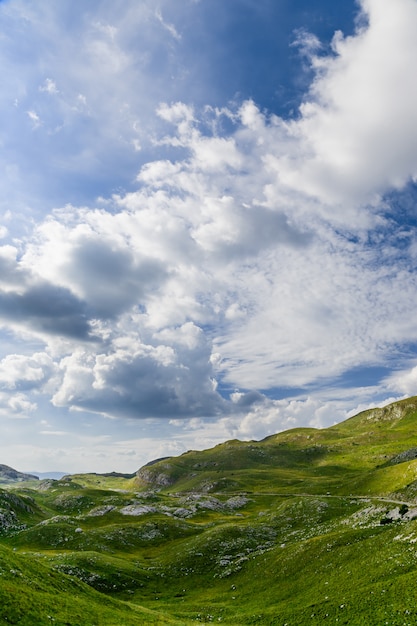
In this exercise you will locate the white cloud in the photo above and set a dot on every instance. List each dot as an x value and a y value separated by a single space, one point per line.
34 118
356 134
140 380
54 433
307 43
83 82
261 257
404 382
168 27
19 371
49 86
288 302
16 406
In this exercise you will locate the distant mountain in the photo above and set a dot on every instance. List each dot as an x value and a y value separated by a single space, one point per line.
10 475
53 475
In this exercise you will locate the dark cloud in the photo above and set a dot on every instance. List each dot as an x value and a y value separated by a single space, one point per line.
8 270
145 388
256 229
173 381
263 228
111 278
48 309
248 399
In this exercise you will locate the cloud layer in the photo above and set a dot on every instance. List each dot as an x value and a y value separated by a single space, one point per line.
253 259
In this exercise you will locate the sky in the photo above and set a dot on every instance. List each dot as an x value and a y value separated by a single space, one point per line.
207 223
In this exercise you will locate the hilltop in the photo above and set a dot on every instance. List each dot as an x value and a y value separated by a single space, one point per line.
9 475
304 527
360 455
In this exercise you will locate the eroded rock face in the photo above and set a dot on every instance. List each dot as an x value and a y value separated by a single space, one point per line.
156 476
392 412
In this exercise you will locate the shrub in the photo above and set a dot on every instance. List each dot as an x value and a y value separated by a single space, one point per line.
403 509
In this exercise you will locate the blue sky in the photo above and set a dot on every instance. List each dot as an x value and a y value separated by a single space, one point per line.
208 224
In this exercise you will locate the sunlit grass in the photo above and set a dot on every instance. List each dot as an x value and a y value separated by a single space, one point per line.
305 527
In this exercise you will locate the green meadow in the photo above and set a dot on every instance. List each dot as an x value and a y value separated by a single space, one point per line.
305 527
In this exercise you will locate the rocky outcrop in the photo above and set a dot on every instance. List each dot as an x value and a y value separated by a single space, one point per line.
156 476
407 455
394 411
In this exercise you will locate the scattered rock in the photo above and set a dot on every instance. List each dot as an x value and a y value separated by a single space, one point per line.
101 510
138 509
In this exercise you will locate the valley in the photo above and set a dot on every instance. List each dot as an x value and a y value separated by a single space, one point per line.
304 527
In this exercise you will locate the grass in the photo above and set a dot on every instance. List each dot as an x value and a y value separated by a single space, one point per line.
33 593
283 531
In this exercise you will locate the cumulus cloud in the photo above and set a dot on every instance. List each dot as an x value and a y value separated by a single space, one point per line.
46 309
16 406
403 382
21 372
103 269
243 261
169 377
356 134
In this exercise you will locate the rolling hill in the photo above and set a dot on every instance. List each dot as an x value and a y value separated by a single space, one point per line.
304 527
360 455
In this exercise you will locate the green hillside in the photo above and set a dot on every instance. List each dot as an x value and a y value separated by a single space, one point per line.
357 456
32 593
305 527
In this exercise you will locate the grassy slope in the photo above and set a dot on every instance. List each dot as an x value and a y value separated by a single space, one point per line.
347 458
305 545
32 593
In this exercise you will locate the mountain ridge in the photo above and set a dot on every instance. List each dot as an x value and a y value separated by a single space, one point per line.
234 454
385 433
